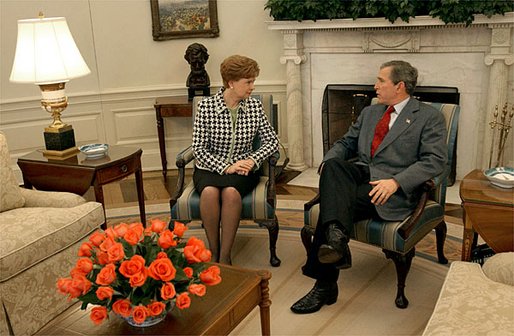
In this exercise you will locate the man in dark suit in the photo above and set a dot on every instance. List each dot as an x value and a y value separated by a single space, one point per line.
395 146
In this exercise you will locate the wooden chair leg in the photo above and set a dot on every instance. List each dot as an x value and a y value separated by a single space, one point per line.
272 227
306 236
440 235
402 263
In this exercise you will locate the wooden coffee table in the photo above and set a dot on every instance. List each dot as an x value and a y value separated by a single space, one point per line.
217 313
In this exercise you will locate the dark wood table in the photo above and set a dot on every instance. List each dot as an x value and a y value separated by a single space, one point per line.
488 210
77 174
169 107
217 313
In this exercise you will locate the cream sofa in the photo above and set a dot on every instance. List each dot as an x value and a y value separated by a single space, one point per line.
476 300
40 236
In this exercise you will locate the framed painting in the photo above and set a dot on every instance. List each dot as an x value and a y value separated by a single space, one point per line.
176 19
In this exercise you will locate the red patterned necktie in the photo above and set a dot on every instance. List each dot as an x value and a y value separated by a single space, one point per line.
381 129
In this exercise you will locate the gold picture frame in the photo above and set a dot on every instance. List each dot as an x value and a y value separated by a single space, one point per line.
176 19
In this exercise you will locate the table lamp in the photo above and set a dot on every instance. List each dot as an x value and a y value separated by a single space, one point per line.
46 55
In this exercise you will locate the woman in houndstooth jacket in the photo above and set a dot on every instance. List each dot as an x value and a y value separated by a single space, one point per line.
224 129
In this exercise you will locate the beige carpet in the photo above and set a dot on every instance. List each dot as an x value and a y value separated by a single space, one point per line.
367 290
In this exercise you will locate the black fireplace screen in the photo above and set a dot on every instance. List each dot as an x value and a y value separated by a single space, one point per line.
342 104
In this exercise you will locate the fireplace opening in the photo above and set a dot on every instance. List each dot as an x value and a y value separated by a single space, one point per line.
342 104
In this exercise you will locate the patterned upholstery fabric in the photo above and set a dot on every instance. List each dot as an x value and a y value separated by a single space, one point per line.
39 244
10 195
34 234
500 268
470 303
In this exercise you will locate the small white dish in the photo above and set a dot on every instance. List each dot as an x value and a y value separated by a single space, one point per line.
502 177
94 151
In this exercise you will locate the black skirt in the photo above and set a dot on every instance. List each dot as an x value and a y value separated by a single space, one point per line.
244 184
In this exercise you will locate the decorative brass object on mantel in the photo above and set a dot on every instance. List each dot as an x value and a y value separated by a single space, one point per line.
503 125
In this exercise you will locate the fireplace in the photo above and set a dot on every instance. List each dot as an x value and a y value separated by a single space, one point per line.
342 104
477 60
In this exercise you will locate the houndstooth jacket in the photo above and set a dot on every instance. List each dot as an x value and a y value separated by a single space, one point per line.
213 136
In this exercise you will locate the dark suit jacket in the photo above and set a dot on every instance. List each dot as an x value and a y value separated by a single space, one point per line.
413 151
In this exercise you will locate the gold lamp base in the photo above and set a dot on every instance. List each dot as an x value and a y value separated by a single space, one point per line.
59 137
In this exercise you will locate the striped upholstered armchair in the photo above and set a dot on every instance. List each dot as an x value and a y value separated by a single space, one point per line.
258 205
398 239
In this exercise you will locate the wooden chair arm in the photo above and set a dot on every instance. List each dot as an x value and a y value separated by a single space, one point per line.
183 158
307 206
406 229
272 164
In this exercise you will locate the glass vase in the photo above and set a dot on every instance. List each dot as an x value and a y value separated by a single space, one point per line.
149 321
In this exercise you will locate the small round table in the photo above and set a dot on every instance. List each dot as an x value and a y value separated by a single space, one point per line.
488 210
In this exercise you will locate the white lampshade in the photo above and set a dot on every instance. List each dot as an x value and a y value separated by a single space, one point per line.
46 53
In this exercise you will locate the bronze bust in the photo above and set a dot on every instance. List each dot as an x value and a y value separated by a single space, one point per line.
198 81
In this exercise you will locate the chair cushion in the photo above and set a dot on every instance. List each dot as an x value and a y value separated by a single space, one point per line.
385 234
500 268
50 199
471 304
255 205
30 235
10 195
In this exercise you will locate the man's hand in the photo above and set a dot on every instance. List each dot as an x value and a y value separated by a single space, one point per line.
382 190
241 167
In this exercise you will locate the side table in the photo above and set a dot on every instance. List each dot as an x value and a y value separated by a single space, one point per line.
77 173
169 107
488 210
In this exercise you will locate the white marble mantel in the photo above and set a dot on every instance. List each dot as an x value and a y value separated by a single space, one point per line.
476 59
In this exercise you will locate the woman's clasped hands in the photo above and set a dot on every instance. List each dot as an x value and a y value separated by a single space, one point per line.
241 167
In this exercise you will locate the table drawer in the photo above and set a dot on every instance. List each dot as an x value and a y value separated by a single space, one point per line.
117 171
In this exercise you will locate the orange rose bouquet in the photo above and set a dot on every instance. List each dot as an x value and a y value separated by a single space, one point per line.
139 273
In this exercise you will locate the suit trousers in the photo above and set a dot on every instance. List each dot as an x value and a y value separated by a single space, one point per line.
344 198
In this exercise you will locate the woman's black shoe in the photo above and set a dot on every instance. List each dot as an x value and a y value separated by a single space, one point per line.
319 295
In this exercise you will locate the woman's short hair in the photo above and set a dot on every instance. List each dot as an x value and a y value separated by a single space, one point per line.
235 67
402 71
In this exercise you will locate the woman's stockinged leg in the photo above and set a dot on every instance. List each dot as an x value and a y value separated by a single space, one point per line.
210 213
231 205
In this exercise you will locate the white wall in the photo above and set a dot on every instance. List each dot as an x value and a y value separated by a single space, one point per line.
114 104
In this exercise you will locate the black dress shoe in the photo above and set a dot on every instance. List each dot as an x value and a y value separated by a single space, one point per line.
336 251
318 296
